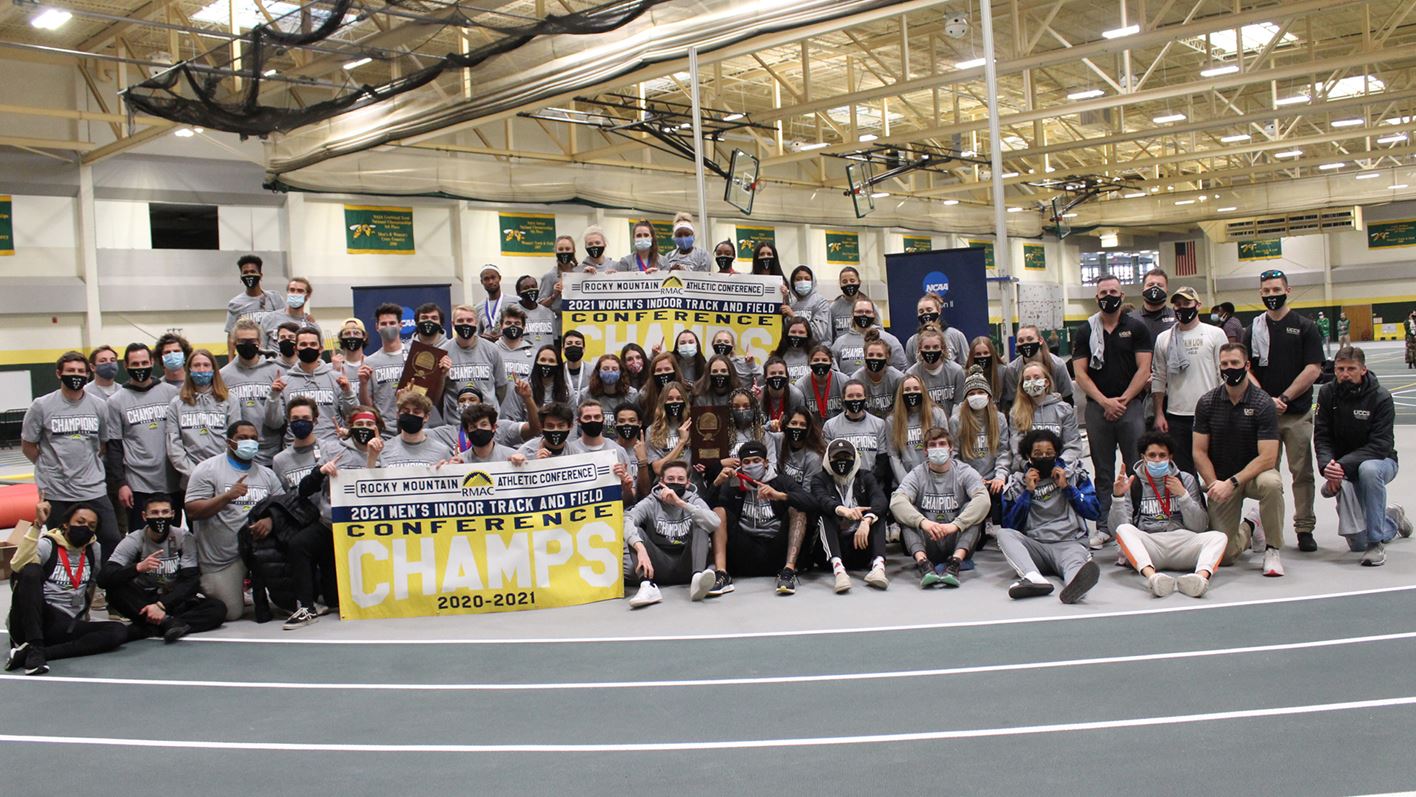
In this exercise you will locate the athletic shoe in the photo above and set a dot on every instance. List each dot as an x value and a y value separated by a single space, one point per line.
1097 540
876 577
787 582
1375 555
927 577
35 663
1257 542
1027 588
1403 524
648 595
321 610
175 631
722 584
1161 584
843 582
949 576
1273 565
1192 584
17 657
1081 583
299 619
700 584
1306 543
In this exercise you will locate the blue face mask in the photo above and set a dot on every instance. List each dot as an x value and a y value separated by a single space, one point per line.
172 360
1214 317
201 378
246 449
683 242
609 377
643 244
295 300
1158 470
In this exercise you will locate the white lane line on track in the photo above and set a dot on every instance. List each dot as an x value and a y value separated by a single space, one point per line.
759 681
742 744
1194 607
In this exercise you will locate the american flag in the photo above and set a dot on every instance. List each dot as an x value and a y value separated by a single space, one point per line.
1185 259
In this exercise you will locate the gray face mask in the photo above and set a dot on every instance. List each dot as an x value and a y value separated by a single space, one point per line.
756 470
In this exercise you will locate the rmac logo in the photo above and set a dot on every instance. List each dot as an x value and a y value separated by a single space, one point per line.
936 282
478 483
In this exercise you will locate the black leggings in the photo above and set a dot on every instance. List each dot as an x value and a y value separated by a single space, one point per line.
60 636
310 548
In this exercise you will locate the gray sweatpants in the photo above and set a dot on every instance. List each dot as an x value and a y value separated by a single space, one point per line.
227 585
1104 437
916 541
1027 555
671 567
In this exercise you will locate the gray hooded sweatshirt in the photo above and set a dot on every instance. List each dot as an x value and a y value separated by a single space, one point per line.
322 386
1186 510
668 527
1054 413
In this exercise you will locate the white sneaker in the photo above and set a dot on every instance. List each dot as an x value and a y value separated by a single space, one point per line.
1374 556
648 595
299 619
876 577
1257 541
1098 540
701 583
1161 584
1398 515
1192 584
843 582
1273 565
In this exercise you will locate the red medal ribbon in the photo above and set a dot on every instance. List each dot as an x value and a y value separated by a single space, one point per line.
1163 498
76 577
821 395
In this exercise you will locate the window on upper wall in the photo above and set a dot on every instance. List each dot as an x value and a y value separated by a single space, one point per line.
1129 267
183 226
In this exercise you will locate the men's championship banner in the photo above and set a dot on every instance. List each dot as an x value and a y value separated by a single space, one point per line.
650 309
469 539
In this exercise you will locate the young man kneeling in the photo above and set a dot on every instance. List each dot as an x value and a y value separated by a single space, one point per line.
1156 513
1045 511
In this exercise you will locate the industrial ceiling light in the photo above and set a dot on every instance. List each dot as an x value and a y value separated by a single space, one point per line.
970 64
1226 210
1089 94
355 64
1185 202
951 201
1217 71
1369 175
1327 167
810 147
51 19
733 117
1135 195
1349 123
1235 139
1118 33
1169 118
1395 138
1288 153
868 137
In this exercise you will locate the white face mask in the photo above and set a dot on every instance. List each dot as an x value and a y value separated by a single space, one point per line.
978 401
1034 387
940 456
687 349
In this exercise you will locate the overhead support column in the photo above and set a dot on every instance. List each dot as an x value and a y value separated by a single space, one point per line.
698 140
88 257
1001 249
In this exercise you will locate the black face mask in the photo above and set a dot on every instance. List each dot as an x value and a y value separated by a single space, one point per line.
1234 377
363 434
592 428
1109 304
529 297
74 381
841 466
511 332
1044 465
719 382
931 357
1154 294
481 437
673 409
160 527
250 280
595 251
627 431
246 350
820 369
776 382
464 331
574 353
913 400
874 364
764 264
410 423
983 360
544 371
743 417
850 290
677 489
428 328
723 349
565 258
287 348
351 344
796 434
554 439
1348 389
663 379
863 321
309 355
301 429
1186 314
725 262
796 341
144 374
1029 349
927 318
1276 301
79 536
854 406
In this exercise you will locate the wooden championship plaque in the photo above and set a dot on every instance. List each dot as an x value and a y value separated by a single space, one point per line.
421 372
710 437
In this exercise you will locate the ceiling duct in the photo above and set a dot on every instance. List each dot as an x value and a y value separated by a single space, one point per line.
1316 222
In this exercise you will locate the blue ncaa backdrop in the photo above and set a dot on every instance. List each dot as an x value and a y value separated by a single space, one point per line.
957 275
368 298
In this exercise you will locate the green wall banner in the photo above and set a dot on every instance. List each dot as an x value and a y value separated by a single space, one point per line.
663 233
1391 234
842 247
372 230
749 237
1035 257
7 227
914 244
987 251
527 234
1266 249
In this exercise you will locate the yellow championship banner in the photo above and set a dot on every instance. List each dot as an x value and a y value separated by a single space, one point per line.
651 309
467 539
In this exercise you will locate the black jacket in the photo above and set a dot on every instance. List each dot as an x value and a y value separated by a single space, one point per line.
271 577
868 495
1354 428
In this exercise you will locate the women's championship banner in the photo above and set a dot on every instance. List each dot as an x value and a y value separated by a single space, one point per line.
468 539
650 309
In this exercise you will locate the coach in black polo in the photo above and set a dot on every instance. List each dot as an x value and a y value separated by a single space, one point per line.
1243 462
1286 357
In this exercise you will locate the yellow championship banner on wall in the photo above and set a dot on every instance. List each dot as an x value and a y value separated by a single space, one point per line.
651 309
468 539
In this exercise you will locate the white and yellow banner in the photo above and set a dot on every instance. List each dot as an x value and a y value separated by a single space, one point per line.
650 309
468 539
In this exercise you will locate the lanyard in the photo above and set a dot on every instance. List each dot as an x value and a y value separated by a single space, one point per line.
640 262
76 576
579 377
492 311
774 414
822 395
1164 498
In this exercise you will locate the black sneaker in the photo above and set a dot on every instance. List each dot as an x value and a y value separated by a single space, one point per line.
175 631
1027 588
950 576
35 663
1081 583
927 577
1306 543
722 584
17 657
786 582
